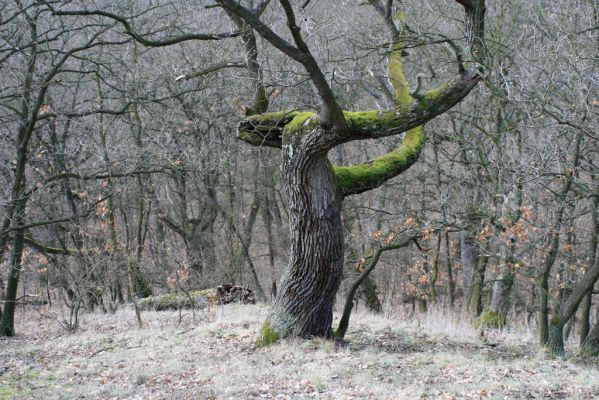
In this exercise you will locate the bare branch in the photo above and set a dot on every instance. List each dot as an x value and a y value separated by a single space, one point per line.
139 38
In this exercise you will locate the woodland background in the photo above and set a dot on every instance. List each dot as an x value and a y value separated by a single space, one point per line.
131 181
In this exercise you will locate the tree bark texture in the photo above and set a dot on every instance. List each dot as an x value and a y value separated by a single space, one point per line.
304 303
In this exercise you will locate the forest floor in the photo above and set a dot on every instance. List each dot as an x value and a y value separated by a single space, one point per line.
434 356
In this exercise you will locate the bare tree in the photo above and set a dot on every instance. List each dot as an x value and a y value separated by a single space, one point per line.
314 188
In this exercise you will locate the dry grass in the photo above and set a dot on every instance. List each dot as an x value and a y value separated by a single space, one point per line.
434 356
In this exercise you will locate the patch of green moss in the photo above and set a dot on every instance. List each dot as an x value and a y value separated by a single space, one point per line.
267 335
273 117
431 96
299 124
490 319
361 177
364 119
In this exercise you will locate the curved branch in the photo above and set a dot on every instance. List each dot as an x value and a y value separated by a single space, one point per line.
349 301
376 124
47 249
371 174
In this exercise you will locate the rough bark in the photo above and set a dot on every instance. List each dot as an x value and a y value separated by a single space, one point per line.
304 303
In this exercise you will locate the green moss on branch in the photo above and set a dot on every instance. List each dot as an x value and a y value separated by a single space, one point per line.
265 129
362 177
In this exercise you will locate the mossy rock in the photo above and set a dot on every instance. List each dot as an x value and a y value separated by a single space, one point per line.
176 301
490 319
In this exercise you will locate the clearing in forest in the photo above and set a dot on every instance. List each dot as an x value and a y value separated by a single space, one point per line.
214 357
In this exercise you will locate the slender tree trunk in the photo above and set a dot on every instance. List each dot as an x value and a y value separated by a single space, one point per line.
566 309
267 218
588 299
368 288
449 272
585 311
130 277
18 201
435 270
543 278
114 247
504 282
590 346
469 254
7 321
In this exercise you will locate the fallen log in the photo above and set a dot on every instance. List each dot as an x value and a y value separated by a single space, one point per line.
223 294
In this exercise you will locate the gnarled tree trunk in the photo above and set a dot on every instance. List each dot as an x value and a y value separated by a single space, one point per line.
304 303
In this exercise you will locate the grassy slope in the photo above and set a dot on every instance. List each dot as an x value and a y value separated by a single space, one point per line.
213 357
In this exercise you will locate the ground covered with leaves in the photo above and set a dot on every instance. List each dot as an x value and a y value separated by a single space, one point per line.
212 356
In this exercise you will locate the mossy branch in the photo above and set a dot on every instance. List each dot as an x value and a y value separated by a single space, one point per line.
369 175
265 129
376 124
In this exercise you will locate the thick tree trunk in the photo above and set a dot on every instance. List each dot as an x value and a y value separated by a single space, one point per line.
304 303
555 341
198 252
